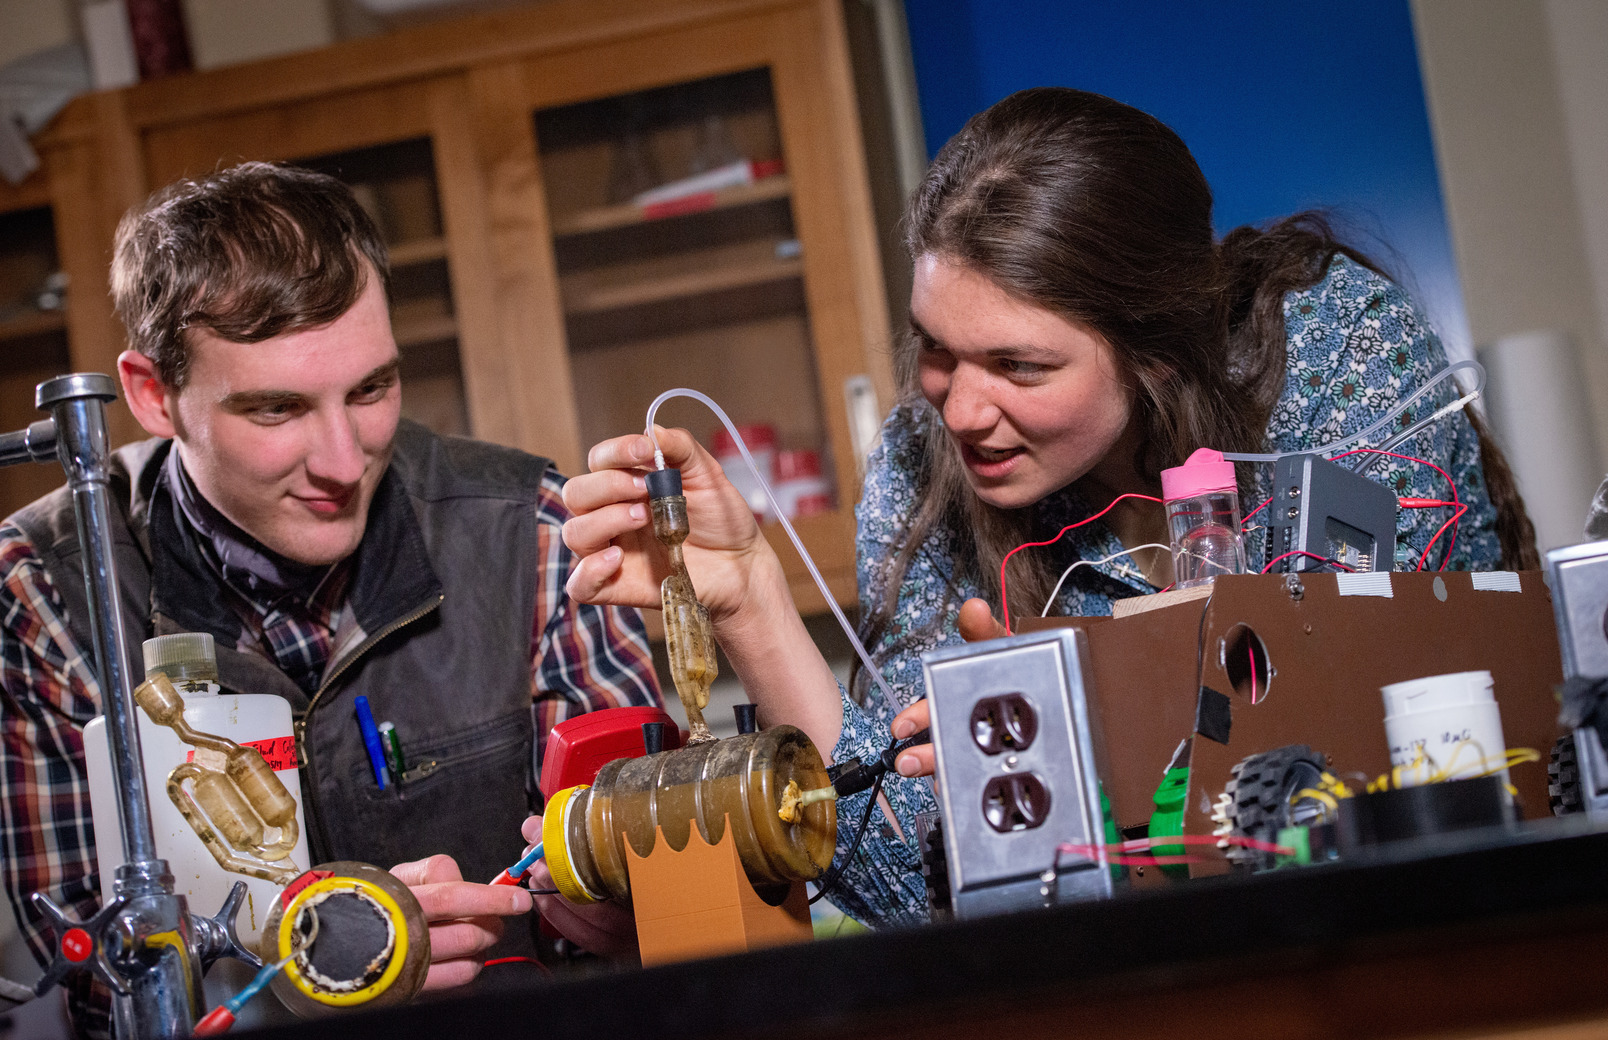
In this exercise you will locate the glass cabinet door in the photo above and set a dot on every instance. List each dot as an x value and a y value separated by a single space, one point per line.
679 266
396 184
33 340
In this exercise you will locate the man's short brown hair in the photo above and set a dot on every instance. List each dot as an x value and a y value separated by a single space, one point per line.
248 253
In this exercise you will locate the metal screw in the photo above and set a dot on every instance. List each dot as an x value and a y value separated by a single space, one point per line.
1295 511
1292 585
1010 761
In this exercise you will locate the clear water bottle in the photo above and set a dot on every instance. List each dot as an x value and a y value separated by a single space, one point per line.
1203 518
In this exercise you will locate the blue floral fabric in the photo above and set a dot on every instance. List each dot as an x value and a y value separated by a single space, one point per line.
1357 346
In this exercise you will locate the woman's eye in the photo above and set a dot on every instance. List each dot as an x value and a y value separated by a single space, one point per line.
1018 367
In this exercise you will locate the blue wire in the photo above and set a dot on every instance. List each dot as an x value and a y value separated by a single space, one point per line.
527 862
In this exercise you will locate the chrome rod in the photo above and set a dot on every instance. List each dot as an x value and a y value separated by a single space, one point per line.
77 403
37 443
150 938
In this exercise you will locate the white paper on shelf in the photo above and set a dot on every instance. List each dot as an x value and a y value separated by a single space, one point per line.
732 175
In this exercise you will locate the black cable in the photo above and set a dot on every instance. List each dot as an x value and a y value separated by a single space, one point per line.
851 778
836 872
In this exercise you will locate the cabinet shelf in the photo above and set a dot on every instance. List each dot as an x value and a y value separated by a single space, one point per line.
33 324
413 332
418 251
678 276
627 214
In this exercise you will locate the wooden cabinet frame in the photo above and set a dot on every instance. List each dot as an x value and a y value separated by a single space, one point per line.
471 86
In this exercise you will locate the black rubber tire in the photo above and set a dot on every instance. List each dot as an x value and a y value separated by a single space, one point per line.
1258 802
935 872
1563 778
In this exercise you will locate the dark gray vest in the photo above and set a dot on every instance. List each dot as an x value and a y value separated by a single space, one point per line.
444 585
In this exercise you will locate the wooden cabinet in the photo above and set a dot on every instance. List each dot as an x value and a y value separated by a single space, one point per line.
534 302
33 327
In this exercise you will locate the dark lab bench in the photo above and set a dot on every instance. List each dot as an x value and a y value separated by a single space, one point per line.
1476 939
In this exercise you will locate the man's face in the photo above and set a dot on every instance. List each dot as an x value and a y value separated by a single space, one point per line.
289 437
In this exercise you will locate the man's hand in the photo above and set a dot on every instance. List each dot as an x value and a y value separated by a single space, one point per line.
465 918
605 929
977 623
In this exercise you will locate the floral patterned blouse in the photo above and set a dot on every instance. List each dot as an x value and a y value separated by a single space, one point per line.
1357 346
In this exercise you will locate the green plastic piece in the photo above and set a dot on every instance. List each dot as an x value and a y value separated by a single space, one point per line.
1168 819
1112 837
1299 839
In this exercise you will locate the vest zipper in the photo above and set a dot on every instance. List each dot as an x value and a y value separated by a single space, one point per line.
303 761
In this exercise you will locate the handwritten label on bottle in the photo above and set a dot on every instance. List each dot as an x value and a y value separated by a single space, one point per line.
278 752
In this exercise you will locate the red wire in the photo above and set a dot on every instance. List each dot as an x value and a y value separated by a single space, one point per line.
1303 552
1461 509
1456 499
1250 648
545 970
1004 600
1145 844
1253 512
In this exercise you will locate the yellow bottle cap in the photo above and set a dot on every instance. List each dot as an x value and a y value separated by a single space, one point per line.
556 851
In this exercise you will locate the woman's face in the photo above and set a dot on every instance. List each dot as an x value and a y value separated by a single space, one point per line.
1032 401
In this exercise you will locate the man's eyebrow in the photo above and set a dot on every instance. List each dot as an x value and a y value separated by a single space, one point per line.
381 373
250 400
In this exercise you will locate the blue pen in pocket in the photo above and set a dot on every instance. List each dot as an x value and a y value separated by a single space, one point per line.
371 741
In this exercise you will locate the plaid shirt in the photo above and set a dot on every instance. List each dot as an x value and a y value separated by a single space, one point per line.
583 658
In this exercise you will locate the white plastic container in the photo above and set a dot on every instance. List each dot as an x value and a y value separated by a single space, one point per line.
761 441
800 487
1444 727
261 720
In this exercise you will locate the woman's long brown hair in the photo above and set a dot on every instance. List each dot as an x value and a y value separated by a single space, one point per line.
1096 211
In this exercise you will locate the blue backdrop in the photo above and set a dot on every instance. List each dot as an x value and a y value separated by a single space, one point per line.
1286 105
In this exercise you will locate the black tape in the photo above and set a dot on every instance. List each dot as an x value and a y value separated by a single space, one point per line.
663 483
1214 715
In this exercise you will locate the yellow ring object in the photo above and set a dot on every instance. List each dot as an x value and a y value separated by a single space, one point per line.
556 852
399 951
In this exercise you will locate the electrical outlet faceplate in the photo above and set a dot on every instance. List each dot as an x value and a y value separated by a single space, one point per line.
1015 748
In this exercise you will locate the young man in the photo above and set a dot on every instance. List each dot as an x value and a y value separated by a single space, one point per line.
331 549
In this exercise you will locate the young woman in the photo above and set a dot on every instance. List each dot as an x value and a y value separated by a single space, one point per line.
1075 328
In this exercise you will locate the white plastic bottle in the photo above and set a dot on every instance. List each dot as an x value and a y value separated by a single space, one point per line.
259 720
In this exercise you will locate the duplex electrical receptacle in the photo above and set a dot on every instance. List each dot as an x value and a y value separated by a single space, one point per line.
1016 802
1004 723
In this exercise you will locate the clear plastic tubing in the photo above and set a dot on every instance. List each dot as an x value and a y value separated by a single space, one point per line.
798 543
1203 518
1385 420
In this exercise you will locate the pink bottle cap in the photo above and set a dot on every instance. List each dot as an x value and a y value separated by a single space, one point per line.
1206 472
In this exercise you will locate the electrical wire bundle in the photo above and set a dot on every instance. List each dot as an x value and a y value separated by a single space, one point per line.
1370 455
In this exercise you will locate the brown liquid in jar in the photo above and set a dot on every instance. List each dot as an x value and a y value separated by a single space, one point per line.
739 779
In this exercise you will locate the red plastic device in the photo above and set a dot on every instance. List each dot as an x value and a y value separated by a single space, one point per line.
577 748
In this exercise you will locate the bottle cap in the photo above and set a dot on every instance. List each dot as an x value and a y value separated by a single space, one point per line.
1205 472
182 657
664 483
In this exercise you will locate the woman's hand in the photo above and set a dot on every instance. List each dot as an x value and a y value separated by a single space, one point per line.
976 624
622 563
465 918
605 929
